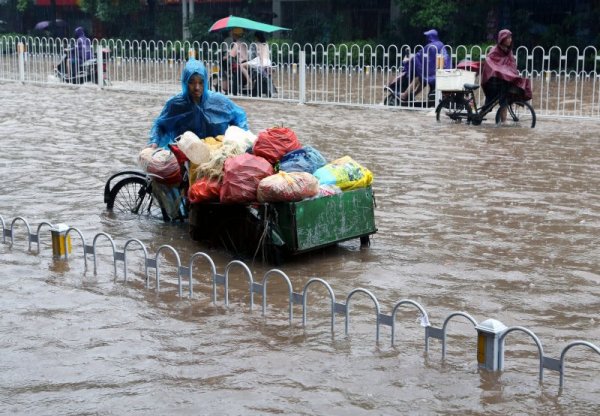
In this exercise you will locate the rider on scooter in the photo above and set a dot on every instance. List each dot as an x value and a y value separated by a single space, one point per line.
82 51
422 66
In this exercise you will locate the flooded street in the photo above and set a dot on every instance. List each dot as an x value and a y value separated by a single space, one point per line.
500 223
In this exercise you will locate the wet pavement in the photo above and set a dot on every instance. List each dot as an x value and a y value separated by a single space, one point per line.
497 222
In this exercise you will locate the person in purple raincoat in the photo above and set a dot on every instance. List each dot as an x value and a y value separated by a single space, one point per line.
82 51
422 65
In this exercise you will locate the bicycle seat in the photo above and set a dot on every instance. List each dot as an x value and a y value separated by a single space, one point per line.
471 87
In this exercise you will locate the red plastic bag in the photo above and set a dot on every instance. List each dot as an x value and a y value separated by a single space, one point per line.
204 190
275 142
241 177
181 157
287 187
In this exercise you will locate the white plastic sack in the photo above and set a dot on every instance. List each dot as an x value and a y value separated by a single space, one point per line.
243 138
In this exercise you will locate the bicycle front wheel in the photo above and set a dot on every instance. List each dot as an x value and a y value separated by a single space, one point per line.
452 108
519 114
133 196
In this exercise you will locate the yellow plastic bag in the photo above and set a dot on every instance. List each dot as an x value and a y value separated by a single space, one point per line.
345 173
214 142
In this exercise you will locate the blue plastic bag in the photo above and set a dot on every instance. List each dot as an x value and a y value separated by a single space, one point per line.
306 159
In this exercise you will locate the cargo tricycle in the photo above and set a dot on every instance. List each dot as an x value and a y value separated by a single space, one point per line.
271 232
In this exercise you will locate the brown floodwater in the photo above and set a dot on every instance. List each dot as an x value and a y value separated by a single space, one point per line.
500 223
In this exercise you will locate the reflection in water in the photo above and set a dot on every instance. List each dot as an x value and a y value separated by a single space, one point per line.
498 222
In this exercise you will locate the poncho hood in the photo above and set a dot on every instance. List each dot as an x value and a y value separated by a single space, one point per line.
503 34
432 35
79 32
192 67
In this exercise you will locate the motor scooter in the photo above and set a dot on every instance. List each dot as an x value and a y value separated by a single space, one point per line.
228 79
393 91
86 71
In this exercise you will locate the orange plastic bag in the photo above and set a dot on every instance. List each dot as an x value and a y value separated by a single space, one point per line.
204 190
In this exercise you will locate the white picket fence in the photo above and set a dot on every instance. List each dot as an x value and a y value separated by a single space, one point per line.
566 82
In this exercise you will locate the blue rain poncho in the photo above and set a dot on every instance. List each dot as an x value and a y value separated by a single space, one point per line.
210 117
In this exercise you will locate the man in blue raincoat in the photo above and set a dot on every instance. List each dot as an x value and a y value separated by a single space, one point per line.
196 109
425 64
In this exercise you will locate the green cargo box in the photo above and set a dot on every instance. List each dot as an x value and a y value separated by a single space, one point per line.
275 230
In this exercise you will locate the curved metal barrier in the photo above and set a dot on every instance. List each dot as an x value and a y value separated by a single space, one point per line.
491 334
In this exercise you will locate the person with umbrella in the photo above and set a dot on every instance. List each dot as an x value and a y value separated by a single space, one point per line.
260 50
238 53
196 109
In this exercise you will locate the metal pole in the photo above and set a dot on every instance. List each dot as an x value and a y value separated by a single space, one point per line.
100 65
184 18
21 51
302 80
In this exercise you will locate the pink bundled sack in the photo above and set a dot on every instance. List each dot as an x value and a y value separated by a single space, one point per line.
287 187
275 142
241 176
161 165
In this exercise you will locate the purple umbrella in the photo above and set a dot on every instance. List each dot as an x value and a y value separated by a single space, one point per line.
43 25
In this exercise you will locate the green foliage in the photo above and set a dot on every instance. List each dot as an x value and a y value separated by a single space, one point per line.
7 43
23 5
428 13
109 10
477 51
351 53
168 24
198 28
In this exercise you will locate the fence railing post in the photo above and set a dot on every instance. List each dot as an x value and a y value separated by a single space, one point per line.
100 66
21 52
302 80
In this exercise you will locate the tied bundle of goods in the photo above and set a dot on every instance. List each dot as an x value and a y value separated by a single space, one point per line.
161 165
275 197
270 167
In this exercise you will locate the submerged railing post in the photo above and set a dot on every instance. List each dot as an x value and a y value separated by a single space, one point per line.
302 77
61 242
488 344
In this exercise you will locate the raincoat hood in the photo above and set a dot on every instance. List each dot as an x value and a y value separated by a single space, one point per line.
432 35
503 34
192 67
79 32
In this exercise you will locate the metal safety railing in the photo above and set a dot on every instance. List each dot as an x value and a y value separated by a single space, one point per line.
565 81
491 334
